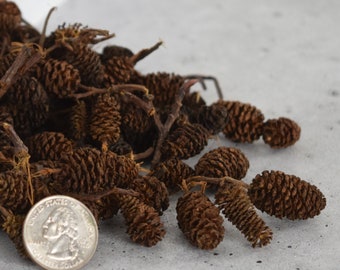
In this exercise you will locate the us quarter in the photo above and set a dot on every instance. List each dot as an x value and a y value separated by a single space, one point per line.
60 232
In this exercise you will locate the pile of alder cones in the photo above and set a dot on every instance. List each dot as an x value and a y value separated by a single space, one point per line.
81 123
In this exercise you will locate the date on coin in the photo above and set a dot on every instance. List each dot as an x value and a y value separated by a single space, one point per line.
60 232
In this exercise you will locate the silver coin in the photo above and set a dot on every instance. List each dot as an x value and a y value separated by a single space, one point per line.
60 232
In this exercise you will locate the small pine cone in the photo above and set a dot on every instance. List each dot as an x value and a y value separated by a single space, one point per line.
13 190
144 224
153 192
223 161
48 145
88 170
120 69
121 169
105 121
200 220
13 226
213 118
185 141
163 86
192 102
135 119
78 121
10 16
236 206
87 61
171 172
122 148
60 78
282 195
281 132
115 51
29 105
245 121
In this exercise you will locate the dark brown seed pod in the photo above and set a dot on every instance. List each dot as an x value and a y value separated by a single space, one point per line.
281 132
29 105
214 117
115 51
223 161
185 141
88 170
144 224
10 16
60 78
121 147
87 61
13 226
282 195
234 203
48 145
119 68
192 102
200 220
104 125
14 191
245 121
163 86
153 192
172 172
78 121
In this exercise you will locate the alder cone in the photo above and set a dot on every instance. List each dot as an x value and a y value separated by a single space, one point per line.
281 132
200 220
115 51
236 206
144 224
185 141
153 192
78 121
171 172
245 121
213 118
105 120
59 78
120 69
13 225
121 147
10 16
48 145
223 161
87 61
282 195
88 170
25 33
163 86
13 190
135 119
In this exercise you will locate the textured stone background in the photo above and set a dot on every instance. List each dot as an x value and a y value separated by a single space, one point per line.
281 56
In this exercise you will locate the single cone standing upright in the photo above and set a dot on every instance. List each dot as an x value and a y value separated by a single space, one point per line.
200 220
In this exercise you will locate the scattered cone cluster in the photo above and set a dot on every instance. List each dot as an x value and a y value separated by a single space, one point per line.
82 123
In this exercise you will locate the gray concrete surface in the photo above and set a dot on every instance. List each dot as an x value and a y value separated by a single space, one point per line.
281 56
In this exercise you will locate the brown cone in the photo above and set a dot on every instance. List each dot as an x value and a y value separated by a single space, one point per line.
10 16
282 195
171 172
185 141
105 121
236 206
245 121
223 161
48 145
144 224
78 121
119 68
59 78
153 192
281 132
200 220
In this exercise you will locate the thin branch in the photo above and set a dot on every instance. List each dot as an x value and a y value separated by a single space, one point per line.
217 180
201 79
173 115
143 53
